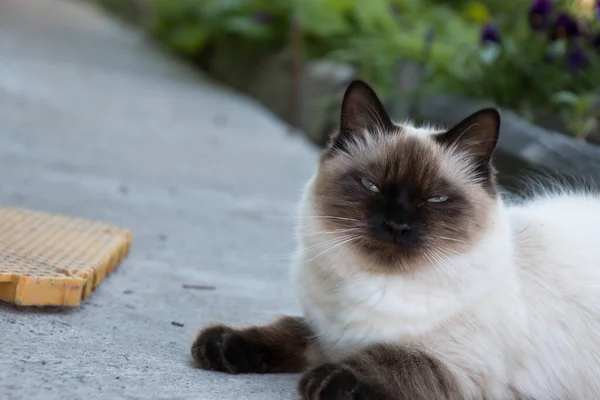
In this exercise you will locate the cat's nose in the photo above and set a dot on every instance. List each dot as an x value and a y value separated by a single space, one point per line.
397 227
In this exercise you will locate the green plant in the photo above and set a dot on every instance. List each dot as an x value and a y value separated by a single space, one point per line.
189 26
373 35
582 111
542 63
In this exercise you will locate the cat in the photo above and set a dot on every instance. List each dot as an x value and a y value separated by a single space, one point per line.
419 280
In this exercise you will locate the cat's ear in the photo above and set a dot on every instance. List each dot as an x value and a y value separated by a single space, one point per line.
476 135
362 112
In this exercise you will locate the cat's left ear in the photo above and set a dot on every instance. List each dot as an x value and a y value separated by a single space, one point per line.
362 113
476 135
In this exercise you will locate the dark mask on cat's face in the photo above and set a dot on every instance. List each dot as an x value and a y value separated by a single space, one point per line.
411 195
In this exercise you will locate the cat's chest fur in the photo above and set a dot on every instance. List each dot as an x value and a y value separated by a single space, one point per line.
372 309
355 309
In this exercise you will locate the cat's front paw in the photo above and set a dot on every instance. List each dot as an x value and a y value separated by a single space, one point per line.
221 348
336 382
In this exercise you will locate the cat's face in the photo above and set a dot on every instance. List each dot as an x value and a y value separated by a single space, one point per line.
406 196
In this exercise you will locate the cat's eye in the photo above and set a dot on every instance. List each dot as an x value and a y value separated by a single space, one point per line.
437 199
369 185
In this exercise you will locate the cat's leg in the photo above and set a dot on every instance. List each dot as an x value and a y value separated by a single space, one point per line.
282 346
381 372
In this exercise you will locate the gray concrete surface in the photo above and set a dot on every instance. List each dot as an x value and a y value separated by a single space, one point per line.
95 122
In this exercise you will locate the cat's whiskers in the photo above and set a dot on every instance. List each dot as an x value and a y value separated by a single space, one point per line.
272 254
317 233
448 238
433 264
332 248
441 267
319 217
445 266
447 251
297 221
321 244
326 242
290 256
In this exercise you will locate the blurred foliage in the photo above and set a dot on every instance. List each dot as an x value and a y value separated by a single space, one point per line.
129 10
539 59
491 49
374 35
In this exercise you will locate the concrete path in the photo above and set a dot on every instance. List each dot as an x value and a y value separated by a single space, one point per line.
95 122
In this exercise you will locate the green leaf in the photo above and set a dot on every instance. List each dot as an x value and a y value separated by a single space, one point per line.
565 97
246 26
187 39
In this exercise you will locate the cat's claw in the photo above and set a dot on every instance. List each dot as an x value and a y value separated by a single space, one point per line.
336 382
221 349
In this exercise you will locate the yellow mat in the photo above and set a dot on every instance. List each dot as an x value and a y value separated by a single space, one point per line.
48 259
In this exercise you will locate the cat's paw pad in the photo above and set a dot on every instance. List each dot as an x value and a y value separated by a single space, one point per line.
336 382
220 348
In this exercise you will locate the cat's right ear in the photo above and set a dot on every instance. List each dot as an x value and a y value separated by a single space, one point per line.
362 113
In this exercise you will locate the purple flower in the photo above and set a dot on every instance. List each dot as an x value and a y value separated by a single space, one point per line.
539 14
263 17
598 9
577 58
490 34
565 26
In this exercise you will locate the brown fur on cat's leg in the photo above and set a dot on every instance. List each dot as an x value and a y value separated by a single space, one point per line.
279 347
381 372
339 381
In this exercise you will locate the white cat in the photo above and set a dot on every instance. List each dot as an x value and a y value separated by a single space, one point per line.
418 281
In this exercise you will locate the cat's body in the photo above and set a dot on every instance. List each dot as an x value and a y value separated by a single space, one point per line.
418 281
516 317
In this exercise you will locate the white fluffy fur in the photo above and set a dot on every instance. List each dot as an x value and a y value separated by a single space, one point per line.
516 317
